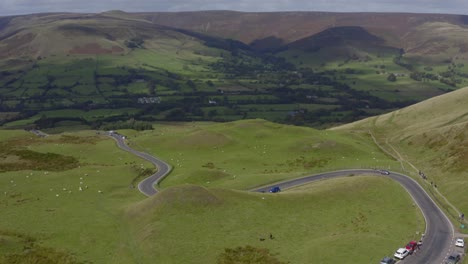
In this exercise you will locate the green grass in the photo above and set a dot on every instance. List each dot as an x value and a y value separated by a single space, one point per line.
49 207
372 71
250 153
186 220
90 115
332 221
432 136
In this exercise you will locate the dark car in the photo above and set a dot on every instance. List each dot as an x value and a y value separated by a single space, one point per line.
387 260
275 189
452 259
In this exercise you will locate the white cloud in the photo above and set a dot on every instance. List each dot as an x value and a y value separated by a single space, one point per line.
9 7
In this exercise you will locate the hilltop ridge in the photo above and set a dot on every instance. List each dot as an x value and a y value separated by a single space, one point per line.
432 136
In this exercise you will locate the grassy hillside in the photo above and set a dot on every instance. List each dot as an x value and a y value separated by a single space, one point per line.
45 216
249 153
90 212
432 136
327 222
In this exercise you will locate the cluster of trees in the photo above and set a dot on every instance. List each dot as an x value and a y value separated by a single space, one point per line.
136 42
447 77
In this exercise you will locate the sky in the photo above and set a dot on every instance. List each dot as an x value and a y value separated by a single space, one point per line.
15 7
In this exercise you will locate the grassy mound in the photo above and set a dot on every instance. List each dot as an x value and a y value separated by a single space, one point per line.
248 153
191 224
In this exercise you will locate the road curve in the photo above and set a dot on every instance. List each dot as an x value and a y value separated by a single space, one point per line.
147 185
439 230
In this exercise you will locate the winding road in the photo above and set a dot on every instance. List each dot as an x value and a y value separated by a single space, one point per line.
439 230
163 169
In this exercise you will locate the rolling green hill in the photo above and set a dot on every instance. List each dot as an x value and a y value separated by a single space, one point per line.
431 135
89 212
187 221
250 153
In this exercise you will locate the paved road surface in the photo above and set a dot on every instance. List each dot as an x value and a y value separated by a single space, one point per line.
147 185
439 230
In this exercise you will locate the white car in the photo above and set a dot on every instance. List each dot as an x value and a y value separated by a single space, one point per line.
459 242
401 253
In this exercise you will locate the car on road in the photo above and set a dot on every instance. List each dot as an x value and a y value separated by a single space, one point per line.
401 253
387 260
275 189
460 242
452 259
384 172
412 245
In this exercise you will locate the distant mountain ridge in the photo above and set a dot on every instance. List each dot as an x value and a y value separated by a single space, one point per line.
262 31
287 27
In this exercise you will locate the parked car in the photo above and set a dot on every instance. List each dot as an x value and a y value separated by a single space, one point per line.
460 242
384 172
401 253
387 260
452 259
275 189
411 247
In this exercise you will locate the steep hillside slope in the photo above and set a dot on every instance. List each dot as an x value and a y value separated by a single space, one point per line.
85 34
432 135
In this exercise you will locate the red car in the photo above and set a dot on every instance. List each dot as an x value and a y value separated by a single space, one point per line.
412 246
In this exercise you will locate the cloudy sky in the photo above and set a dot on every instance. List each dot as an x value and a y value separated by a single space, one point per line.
13 7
